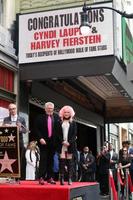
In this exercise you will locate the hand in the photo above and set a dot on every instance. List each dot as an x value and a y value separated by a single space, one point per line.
37 163
18 124
7 125
111 161
104 152
120 167
65 143
42 141
84 166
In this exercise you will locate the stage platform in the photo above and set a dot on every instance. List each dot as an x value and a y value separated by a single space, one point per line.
31 190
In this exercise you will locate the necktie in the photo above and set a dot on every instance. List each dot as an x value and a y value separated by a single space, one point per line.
49 126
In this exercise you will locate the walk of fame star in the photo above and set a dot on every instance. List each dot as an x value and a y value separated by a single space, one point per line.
6 130
11 138
6 163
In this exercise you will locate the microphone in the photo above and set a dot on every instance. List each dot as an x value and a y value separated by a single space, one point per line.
27 130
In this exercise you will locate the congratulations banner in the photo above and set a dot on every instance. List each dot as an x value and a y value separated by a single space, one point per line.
55 35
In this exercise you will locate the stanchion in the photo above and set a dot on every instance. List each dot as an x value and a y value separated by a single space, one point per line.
113 192
118 184
110 189
127 186
130 186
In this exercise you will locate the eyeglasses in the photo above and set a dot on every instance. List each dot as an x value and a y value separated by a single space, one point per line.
12 108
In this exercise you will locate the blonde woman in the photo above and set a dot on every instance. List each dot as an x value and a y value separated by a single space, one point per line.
32 160
65 141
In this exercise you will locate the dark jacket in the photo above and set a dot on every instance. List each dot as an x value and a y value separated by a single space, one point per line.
72 132
89 161
104 163
41 129
115 160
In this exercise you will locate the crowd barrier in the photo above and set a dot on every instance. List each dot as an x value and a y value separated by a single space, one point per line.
113 191
125 182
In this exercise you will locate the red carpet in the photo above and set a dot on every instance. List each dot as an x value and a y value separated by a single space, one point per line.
31 190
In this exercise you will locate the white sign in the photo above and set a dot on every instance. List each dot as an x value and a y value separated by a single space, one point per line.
55 35
3 113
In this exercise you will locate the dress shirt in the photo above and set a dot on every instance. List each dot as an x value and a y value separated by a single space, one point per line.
14 119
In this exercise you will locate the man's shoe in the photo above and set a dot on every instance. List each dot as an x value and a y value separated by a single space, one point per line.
51 181
69 181
105 195
61 180
41 181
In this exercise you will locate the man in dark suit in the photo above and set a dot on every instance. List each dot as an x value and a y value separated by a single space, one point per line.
103 163
88 165
113 157
15 120
113 162
45 132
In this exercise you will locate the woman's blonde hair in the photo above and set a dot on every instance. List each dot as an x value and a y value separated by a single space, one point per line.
32 145
68 108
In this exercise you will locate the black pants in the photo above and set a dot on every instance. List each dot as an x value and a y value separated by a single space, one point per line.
88 176
22 163
46 161
104 183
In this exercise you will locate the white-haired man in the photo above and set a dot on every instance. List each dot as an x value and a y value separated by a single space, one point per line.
45 132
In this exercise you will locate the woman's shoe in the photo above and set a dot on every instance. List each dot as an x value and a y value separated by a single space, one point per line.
41 181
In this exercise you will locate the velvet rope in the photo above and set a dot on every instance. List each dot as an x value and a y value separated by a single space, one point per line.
120 179
112 184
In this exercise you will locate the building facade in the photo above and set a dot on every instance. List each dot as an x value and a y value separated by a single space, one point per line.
57 63
93 83
8 58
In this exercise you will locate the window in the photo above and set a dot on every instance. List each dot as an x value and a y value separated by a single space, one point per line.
6 79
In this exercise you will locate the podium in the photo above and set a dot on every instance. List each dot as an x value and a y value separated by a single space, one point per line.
9 152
